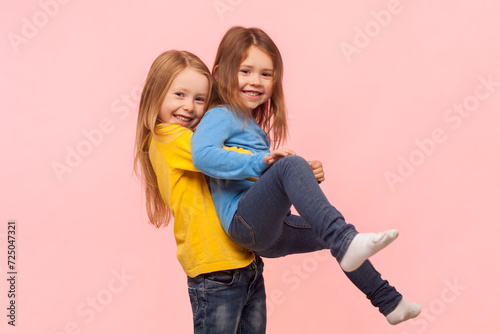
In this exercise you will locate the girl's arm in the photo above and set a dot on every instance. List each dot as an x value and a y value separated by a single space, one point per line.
174 146
216 127
276 155
316 165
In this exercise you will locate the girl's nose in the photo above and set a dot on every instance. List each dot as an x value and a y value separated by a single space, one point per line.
188 106
255 80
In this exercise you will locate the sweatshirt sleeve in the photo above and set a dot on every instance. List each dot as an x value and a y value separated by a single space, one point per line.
175 149
181 153
209 156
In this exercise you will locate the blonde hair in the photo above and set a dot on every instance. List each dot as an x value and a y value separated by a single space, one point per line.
232 51
164 70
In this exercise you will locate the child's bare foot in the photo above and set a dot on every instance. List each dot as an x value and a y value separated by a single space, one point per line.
404 311
365 245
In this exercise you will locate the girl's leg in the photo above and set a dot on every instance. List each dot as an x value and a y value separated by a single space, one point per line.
295 237
254 315
298 237
382 295
229 301
257 223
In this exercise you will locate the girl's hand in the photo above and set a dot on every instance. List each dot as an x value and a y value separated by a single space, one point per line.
317 168
276 155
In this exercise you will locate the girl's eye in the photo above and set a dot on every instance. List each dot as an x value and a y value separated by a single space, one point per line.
179 94
200 99
245 71
267 74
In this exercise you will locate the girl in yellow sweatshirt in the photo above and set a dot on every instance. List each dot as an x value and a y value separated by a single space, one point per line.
225 282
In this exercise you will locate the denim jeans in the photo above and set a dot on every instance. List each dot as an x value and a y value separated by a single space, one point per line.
229 301
264 224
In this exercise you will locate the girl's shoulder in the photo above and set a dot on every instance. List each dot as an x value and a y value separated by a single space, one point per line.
225 111
166 133
221 109
221 112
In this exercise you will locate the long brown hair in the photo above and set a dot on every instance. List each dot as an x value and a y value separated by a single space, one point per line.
164 70
232 51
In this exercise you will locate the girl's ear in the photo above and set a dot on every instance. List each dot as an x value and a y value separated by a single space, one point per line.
214 72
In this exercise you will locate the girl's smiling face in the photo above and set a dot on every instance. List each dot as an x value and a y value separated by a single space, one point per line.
256 78
185 100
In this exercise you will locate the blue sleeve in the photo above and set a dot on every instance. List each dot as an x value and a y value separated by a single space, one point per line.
216 127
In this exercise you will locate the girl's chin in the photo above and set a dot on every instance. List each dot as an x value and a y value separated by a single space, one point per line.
181 122
190 125
251 104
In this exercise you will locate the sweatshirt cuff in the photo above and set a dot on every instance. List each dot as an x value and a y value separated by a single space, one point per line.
261 164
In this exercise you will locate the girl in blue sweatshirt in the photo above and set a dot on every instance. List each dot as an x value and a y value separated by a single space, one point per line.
249 113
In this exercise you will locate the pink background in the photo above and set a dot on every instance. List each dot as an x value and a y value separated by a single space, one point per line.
385 107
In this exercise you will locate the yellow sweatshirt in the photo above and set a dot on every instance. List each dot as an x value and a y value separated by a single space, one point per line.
202 244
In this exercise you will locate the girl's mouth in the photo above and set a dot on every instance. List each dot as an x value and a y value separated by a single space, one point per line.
184 119
251 93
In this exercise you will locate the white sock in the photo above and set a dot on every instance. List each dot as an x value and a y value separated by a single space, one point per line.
404 311
363 246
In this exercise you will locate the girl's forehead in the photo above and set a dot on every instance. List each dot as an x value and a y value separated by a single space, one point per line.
257 54
190 78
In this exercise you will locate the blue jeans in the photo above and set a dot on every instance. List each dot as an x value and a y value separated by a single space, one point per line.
264 224
229 301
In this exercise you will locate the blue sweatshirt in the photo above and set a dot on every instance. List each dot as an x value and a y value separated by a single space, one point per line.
228 170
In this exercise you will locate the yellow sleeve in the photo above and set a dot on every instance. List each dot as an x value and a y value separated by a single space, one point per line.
237 149
172 144
179 153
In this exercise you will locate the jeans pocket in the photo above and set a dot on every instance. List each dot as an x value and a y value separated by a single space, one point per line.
241 232
224 277
296 221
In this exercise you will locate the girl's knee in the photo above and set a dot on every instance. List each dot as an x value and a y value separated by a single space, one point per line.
295 160
292 162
